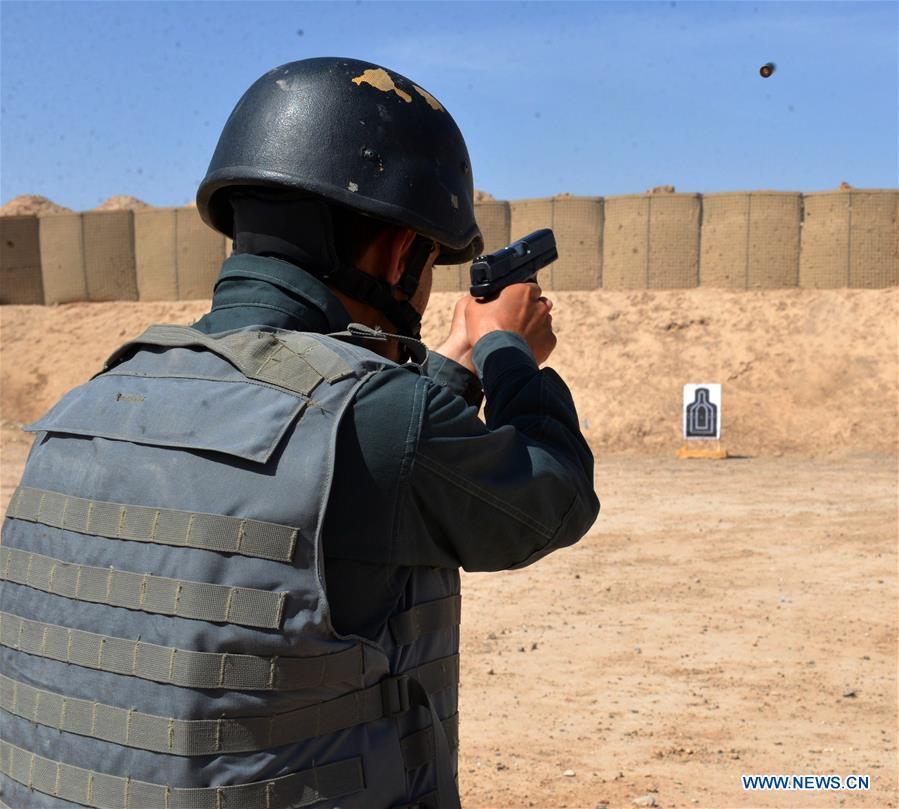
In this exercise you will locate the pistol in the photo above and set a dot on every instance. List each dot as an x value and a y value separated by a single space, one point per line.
515 264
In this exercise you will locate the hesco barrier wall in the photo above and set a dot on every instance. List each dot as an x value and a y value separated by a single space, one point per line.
740 240
750 241
849 239
88 256
577 224
20 260
494 221
177 256
651 241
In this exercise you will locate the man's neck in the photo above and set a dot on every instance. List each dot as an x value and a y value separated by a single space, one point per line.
369 316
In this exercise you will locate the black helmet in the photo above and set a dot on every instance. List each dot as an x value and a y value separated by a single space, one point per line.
355 134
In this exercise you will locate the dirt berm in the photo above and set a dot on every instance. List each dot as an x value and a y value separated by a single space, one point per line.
807 371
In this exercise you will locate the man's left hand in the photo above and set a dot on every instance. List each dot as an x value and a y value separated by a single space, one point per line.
456 346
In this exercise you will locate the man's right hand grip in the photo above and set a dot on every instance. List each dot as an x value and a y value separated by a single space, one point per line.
515 264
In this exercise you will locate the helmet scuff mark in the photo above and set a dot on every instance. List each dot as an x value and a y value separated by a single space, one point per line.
380 80
289 83
372 156
433 103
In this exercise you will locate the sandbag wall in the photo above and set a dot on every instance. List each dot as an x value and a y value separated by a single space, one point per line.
741 240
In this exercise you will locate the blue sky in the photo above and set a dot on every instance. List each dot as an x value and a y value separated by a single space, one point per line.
106 98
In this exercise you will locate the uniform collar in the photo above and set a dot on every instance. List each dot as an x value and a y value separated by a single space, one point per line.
259 290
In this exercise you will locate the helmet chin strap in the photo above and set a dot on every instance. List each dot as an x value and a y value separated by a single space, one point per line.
379 294
300 230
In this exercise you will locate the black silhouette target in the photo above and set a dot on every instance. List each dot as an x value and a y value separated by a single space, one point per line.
701 416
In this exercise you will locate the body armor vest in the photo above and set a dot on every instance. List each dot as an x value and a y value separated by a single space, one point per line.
164 626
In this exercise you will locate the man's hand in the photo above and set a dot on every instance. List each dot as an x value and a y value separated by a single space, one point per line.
457 347
519 308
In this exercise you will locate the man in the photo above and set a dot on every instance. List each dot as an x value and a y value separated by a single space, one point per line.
231 568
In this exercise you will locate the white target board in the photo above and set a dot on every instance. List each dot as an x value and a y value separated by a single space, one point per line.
702 411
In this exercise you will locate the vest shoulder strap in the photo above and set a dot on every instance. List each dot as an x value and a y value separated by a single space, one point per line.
295 361
416 349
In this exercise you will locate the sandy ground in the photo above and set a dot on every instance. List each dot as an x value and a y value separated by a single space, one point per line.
721 618
713 624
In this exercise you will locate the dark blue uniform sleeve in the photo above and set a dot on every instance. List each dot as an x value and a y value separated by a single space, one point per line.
500 495
454 376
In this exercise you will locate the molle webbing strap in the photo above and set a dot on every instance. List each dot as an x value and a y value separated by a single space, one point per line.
418 747
217 603
164 526
447 787
431 616
101 791
182 667
438 674
294 362
194 737
451 729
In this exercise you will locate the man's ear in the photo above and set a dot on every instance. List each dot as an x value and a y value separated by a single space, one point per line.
398 246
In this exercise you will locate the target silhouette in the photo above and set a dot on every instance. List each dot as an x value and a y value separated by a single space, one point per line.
702 416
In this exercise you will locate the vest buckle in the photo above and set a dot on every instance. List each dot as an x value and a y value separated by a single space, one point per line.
395 695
